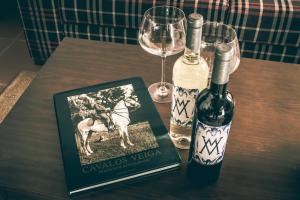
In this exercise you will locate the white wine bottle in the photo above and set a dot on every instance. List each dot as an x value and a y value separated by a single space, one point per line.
190 76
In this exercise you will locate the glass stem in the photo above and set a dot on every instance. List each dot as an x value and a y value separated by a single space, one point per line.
163 91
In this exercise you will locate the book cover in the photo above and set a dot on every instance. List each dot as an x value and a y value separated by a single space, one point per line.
110 133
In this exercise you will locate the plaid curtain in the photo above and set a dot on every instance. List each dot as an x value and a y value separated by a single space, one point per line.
42 27
101 33
267 29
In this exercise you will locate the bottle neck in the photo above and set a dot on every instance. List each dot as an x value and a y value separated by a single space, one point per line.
191 57
218 89
193 40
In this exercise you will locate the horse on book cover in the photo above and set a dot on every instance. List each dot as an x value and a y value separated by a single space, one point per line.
86 128
121 119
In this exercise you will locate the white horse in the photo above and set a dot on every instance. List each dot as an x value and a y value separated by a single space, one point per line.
120 118
85 129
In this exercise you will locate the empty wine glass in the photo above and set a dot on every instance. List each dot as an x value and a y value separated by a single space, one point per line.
213 34
162 33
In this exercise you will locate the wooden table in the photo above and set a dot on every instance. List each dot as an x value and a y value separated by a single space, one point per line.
262 159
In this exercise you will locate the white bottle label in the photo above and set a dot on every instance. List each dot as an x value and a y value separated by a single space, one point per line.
183 105
210 143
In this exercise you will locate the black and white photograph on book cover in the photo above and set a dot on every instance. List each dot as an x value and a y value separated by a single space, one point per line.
105 125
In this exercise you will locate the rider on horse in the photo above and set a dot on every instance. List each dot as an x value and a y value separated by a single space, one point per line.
100 112
105 116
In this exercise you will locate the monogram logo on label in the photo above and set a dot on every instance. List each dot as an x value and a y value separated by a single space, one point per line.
210 143
183 104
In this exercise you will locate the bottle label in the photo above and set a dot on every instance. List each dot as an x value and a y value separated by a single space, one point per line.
210 143
183 105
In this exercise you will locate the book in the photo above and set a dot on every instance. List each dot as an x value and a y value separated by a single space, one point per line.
111 133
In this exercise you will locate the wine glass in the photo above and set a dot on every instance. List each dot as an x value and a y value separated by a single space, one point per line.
213 34
162 33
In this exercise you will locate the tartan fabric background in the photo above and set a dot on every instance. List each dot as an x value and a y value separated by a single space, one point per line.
279 53
42 27
266 29
273 22
128 14
101 33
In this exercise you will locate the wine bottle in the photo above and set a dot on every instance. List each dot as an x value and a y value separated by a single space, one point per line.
190 75
212 120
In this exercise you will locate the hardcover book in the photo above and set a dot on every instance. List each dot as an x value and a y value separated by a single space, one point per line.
110 133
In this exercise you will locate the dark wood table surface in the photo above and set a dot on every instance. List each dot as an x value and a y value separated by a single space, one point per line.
262 159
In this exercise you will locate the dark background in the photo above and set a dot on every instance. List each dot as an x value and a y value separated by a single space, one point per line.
12 43
8 9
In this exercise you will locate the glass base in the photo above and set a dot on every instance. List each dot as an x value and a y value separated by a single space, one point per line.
181 136
161 93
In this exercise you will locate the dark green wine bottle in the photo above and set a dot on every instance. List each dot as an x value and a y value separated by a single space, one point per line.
212 120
